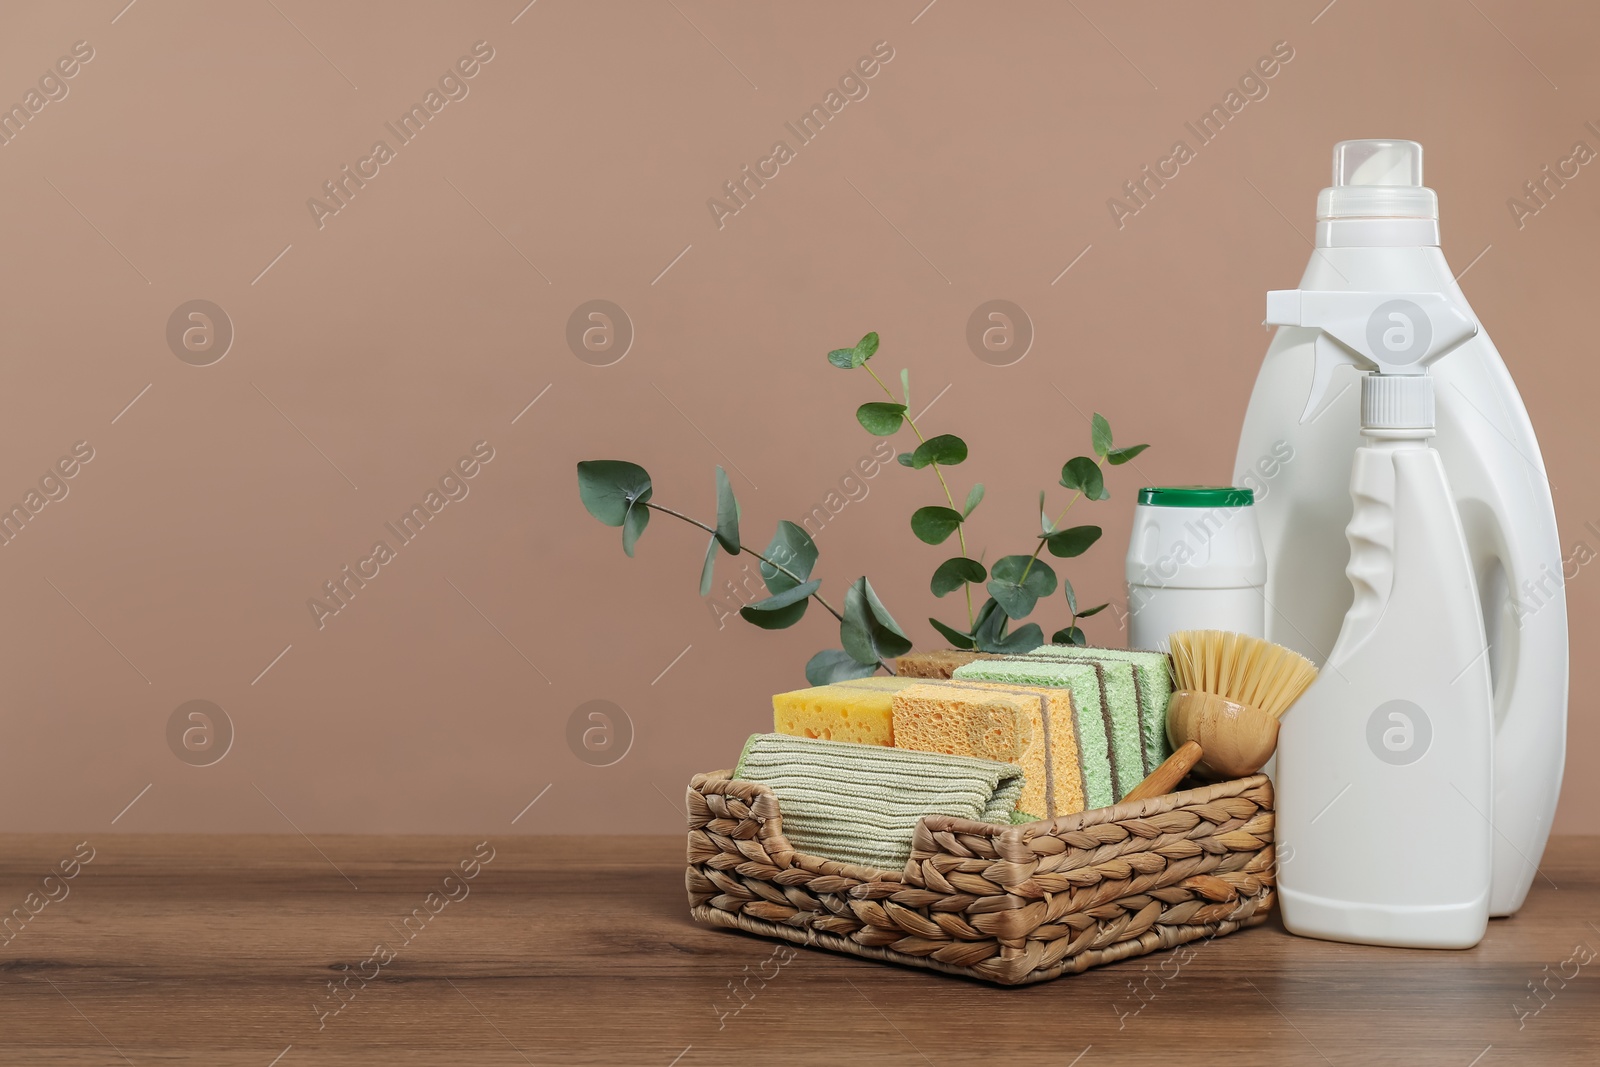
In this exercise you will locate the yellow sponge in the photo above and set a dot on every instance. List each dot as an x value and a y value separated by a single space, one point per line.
844 711
958 721
1030 726
939 663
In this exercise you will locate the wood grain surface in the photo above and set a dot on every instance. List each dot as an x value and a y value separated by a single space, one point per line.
220 951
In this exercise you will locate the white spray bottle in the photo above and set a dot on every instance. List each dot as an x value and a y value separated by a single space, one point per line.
1385 764
1378 232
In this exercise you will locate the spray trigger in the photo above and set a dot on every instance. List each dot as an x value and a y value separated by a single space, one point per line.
1388 333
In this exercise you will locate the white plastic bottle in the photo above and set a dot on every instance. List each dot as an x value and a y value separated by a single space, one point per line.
1385 764
1194 562
1378 231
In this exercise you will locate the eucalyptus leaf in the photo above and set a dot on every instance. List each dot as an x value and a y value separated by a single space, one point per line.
946 449
881 418
835 665
844 358
989 625
1024 638
1072 635
1017 583
633 524
904 459
1072 597
1044 516
783 610
609 487
956 638
955 572
1118 456
792 549
868 632
905 385
1100 434
974 498
1086 612
1084 474
1035 574
709 567
1017 601
934 524
866 347
1073 541
727 514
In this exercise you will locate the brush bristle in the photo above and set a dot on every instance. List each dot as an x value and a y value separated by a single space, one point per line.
1240 668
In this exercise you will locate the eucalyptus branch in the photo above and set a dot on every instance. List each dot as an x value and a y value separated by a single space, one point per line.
1055 523
780 568
961 534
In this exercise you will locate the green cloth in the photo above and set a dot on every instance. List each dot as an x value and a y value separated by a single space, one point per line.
860 803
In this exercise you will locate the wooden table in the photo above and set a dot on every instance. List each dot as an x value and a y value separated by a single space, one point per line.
221 951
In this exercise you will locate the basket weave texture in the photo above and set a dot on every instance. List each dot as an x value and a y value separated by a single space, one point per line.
1008 904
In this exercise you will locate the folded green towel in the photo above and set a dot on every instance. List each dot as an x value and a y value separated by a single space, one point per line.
860 803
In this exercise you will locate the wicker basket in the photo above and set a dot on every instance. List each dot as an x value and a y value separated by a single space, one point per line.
1007 904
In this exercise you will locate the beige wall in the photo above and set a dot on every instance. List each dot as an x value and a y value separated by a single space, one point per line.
392 336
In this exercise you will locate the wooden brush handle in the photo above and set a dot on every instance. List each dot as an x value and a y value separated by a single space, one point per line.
1162 780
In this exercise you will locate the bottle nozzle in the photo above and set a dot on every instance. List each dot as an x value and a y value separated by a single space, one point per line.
1388 333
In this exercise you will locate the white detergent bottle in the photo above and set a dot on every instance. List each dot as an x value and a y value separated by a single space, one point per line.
1385 764
1378 232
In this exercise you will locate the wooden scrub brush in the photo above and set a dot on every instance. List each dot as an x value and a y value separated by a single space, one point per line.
1231 690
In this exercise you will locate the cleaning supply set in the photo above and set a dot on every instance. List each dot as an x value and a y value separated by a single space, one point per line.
1012 816
1005 817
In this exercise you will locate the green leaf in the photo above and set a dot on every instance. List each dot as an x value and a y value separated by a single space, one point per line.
904 459
974 498
956 638
1072 635
633 524
1044 516
1017 583
844 358
865 348
934 523
955 572
989 625
905 384
709 567
609 487
792 549
835 665
727 515
1040 576
1072 597
868 632
1073 541
947 449
1100 434
781 611
1118 456
1025 638
1086 612
880 418
1083 474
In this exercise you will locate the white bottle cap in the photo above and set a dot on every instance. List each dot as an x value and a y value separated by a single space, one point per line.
1397 402
1377 179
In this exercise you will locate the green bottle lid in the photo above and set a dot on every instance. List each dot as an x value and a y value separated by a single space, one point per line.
1196 496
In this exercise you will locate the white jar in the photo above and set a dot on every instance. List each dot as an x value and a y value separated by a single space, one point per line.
1195 562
